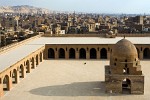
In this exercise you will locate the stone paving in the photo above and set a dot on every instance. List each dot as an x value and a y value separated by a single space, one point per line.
71 80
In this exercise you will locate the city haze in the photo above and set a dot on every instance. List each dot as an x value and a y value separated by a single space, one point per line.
88 6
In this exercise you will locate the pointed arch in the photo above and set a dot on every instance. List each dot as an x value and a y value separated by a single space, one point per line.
32 63
6 85
27 66
37 60
51 53
103 53
93 53
146 53
61 53
41 56
21 71
82 53
14 76
126 86
72 53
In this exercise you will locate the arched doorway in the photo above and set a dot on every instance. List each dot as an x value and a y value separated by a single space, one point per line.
138 52
14 76
27 66
103 53
6 86
37 60
41 56
126 86
61 53
93 53
51 53
82 53
21 71
32 63
72 53
146 53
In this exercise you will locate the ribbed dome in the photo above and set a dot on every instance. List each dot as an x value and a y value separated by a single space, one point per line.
124 48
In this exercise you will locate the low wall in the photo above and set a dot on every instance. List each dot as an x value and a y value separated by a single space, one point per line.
96 35
10 46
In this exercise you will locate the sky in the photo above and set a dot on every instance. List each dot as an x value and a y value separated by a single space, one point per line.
89 6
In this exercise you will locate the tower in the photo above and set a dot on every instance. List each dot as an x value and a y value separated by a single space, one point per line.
17 19
124 74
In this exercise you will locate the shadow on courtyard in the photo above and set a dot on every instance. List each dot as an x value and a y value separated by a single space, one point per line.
74 89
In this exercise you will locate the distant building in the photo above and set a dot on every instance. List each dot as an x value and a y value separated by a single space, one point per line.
91 27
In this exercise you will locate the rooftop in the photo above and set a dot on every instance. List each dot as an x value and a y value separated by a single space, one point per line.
89 40
11 57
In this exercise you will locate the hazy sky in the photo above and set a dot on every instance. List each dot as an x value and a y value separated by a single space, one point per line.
94 6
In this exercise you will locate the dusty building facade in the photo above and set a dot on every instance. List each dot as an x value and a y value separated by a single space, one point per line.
13 74
124 74
43 49
88 51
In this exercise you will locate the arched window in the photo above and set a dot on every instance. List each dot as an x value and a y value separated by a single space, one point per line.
93 53
37 59
72 53
32 63
51 53
27 67
82 53
146 54
125 70
14 76
41 57
103 53
61 53
6 86
126 86
21 71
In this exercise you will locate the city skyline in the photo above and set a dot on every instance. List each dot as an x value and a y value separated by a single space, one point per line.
90 6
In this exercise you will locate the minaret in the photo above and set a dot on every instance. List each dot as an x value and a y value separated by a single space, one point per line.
74 15
17 19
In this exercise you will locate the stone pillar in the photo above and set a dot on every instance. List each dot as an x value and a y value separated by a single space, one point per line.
108 55
66 54
17 81
87 55
34 63
1 88
45 55
10 83
98 54
141 55
56 54
77 55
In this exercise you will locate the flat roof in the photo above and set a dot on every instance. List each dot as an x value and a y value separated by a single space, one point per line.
11 57
89 40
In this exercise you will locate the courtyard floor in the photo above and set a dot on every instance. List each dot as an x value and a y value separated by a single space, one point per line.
71 80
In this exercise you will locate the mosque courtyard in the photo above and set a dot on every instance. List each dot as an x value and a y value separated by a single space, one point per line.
71 80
